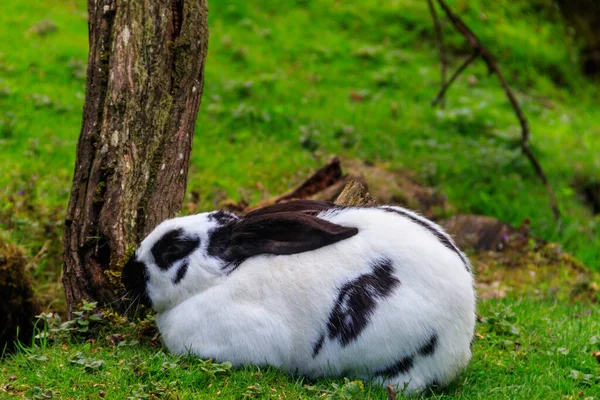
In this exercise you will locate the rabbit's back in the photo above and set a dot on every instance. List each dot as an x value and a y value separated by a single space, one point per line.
405 310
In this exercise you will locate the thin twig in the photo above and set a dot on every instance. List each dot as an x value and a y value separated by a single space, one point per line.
446 86
493 68
391 394
442 47
35 260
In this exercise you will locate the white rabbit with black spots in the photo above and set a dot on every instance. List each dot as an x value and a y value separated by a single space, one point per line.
375 293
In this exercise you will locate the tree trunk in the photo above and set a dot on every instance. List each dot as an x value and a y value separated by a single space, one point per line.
144 85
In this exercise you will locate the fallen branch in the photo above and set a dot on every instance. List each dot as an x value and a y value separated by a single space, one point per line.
442 48
323 178
481 51
38 257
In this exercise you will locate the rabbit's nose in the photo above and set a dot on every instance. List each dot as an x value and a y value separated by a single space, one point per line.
135 277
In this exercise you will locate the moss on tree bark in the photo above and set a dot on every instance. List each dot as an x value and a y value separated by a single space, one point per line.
144 86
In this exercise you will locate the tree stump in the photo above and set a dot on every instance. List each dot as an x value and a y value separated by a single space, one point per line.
355 194
144 86
17 304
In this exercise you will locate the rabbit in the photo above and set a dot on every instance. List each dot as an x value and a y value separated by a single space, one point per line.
379 293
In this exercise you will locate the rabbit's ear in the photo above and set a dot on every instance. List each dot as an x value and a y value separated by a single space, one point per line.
277 233
312 207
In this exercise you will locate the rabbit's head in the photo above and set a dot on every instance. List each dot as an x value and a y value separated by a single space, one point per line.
173 261
187 255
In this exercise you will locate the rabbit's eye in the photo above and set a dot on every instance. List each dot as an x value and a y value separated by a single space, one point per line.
172 247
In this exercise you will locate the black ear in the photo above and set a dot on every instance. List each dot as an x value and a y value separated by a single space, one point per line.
277 233
312 207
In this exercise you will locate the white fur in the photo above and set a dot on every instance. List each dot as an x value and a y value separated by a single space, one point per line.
273 309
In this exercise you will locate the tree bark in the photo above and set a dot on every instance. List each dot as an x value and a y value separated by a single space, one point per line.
144 85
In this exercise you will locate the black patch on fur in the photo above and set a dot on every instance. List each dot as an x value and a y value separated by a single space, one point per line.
232 266
406 362
317 346
357 300
429 347
400 367
222 217
135 277
275 230
218 241
173 246
181 273
442 237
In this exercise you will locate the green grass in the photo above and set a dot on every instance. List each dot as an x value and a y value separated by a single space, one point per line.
280 75
520 353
